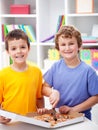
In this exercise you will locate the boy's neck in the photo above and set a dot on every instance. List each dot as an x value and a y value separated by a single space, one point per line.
19 68
72 63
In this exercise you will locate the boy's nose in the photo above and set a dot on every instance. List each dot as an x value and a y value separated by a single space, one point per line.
67 47
18 50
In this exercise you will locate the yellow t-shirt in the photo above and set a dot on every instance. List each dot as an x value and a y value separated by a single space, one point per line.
19 90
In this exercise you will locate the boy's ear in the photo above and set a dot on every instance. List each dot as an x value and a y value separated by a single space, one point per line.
80 48
7 51
29 48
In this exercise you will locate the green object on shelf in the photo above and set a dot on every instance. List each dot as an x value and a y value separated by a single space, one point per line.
11 61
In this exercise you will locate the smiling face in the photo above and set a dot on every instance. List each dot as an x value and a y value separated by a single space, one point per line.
18 50
68 42
68 47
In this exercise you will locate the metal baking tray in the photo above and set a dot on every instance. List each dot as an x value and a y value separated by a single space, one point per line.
31 120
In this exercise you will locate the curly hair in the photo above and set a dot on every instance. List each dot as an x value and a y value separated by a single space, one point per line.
68 31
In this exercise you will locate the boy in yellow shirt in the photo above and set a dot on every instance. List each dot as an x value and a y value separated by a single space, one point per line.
20 83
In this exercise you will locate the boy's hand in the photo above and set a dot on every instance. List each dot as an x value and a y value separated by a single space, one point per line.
4 120
64 109
54 98
42 110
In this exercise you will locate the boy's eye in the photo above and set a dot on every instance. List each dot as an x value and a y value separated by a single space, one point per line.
63 44
71 43
23 47
13 48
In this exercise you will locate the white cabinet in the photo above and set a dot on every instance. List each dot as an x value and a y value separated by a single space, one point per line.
43 18
49 11
28 19
83 21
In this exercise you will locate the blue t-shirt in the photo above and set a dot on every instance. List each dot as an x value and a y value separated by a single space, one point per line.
74 84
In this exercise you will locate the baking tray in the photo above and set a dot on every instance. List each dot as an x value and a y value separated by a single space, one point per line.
31 120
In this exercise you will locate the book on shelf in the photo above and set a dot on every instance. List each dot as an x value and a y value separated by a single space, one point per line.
94 35
16 26
28 29
4 31
21 26
48 38
89 39
10 27
30 32
60 22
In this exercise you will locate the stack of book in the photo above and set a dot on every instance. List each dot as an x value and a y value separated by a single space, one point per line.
28 29
89 39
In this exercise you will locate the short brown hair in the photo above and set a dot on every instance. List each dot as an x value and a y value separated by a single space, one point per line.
16 34
68 31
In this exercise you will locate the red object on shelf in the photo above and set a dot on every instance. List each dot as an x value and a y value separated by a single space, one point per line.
20 9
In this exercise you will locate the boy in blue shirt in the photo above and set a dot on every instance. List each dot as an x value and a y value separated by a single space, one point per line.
76 81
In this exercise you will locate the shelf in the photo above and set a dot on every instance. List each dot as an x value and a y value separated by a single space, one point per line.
18 15
44 21
82 15
44 18
47 44
90 44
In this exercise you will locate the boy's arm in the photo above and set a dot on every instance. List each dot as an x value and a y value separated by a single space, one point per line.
4 120
46 89
41 106
40 103
80 107
53 94
86 104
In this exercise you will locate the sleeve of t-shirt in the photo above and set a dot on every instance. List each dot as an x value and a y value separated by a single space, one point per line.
48 76
93 84
1 90
39 85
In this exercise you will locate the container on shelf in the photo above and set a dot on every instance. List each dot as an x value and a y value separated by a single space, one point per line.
88 6
20 9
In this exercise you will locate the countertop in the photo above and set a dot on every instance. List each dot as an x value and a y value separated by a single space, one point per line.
85 125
